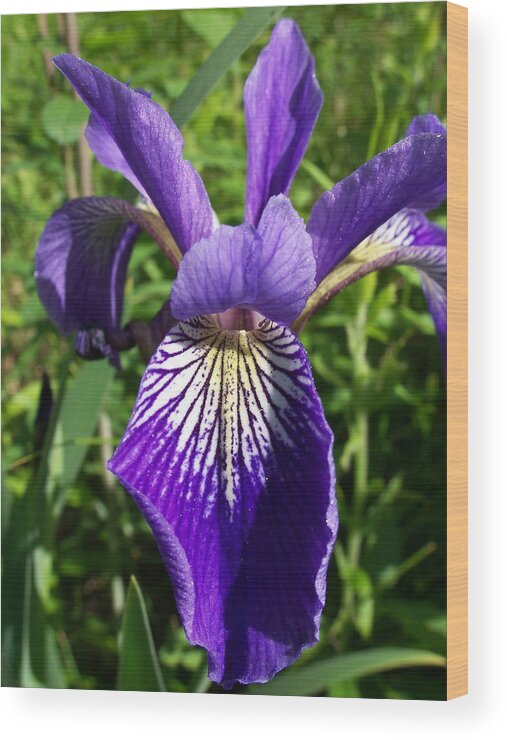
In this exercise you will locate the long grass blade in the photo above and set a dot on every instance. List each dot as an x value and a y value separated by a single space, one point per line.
251 23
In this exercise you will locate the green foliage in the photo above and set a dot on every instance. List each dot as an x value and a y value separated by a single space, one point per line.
72 536
222 57
138 667
63 119
325 674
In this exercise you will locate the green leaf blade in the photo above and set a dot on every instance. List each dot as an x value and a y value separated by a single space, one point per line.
76 424
324 674
237 41
138 668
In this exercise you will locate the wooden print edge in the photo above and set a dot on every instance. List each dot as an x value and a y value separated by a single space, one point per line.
457 338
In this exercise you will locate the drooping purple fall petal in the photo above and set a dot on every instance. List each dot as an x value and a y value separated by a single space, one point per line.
228 456
270 269
151 145
81 262
408 238
431 124
282 102
418 242
348 213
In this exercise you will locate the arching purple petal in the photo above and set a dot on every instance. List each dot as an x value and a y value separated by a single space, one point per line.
431 124
282 102
107 152
151 145
363 201
408 228
218 273
417 242
408 238
287 267
81 261
228 455
270 269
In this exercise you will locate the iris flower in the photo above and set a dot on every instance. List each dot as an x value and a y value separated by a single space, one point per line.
227 453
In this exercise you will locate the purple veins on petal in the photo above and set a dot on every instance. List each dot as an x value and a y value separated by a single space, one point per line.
270 269
151 145
81 262
431 124
286 264
356 206
282 103
417 242
409 238
108 153
217 273
228 455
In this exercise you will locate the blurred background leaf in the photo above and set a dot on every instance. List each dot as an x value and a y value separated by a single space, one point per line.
63 119
325 674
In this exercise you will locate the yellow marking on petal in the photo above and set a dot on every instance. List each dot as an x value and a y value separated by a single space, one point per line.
388 237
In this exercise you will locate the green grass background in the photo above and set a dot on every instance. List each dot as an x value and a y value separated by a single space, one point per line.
375 358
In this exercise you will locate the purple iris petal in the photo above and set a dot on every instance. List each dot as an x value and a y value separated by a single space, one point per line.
408 238
436 298
228 455
431 267
356 206
107 152
407 228
217 273
417 242
428 123
287 267
282 102
81 261
151 145
431 263
431 124
270 269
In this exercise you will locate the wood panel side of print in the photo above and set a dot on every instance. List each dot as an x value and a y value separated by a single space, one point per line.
457 351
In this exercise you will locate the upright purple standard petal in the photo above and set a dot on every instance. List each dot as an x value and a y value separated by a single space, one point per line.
287 264
151 145
81 262
228 456
270 269
218 273
431 124
282 102
363 201
107 151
